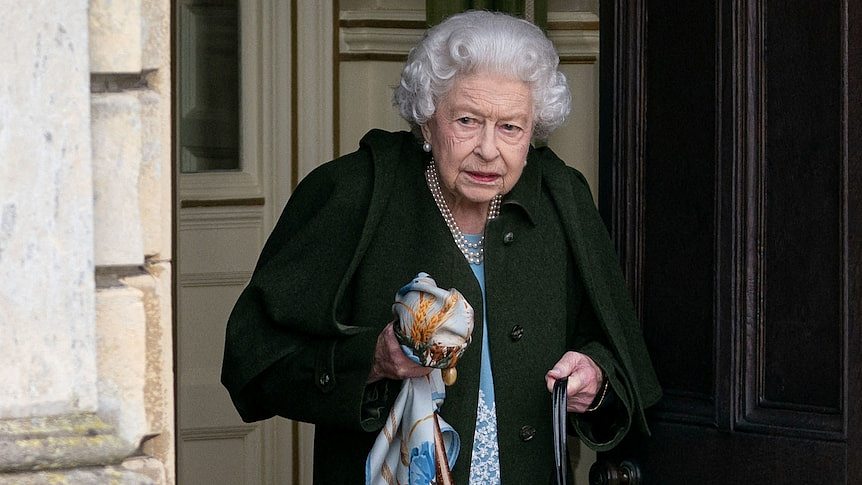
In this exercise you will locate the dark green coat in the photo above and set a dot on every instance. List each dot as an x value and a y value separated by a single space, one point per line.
301 337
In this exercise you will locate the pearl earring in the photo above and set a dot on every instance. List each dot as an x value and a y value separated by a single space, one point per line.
426 147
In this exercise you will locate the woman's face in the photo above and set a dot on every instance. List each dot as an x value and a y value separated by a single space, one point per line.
480 135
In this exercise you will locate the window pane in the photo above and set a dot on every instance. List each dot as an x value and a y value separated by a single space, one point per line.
209 86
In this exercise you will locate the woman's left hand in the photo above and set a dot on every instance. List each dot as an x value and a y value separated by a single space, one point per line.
585 380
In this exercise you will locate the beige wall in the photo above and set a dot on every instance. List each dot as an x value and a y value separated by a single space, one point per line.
85 194
131 112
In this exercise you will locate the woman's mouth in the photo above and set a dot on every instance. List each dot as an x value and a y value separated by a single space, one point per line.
483 177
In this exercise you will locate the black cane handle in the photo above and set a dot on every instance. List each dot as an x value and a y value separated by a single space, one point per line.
558 404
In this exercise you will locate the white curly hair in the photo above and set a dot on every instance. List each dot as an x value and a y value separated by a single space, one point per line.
477 41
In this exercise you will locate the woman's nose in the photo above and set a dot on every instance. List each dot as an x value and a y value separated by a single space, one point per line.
486 146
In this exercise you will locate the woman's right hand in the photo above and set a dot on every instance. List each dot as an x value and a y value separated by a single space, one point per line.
390 361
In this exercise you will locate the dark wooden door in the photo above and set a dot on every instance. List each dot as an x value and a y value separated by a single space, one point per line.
731 171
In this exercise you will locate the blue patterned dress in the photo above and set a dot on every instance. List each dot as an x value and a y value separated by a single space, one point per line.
485 461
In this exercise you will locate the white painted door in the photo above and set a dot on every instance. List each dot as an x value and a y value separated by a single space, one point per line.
232 125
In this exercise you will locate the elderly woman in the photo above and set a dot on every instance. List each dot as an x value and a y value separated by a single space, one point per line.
468 200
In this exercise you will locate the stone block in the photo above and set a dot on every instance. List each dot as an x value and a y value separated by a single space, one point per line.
156 34
115 36
156 188
121 357
117 152
155 177
47 349
149 467
159 388
83 476
156 194
58 442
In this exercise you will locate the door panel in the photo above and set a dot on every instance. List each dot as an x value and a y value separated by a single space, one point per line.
678 210
729 146
230 175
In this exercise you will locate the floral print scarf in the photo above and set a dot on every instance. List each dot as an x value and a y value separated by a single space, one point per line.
416 446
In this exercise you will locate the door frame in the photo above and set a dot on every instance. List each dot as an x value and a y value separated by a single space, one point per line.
277 148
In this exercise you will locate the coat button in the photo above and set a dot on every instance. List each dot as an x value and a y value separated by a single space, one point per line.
517 333
527 432
509 237
324 380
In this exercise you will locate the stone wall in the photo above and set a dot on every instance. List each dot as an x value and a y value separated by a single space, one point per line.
85 242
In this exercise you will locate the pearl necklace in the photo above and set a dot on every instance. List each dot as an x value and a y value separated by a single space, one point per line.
473 252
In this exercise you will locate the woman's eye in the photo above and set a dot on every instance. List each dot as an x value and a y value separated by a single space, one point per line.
510 128
465 120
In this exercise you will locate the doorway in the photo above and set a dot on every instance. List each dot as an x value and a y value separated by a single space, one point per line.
312 78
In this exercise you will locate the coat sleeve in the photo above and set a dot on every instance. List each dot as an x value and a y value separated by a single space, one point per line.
288 349
604 428
617 345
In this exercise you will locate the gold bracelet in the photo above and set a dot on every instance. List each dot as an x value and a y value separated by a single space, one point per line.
602 397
